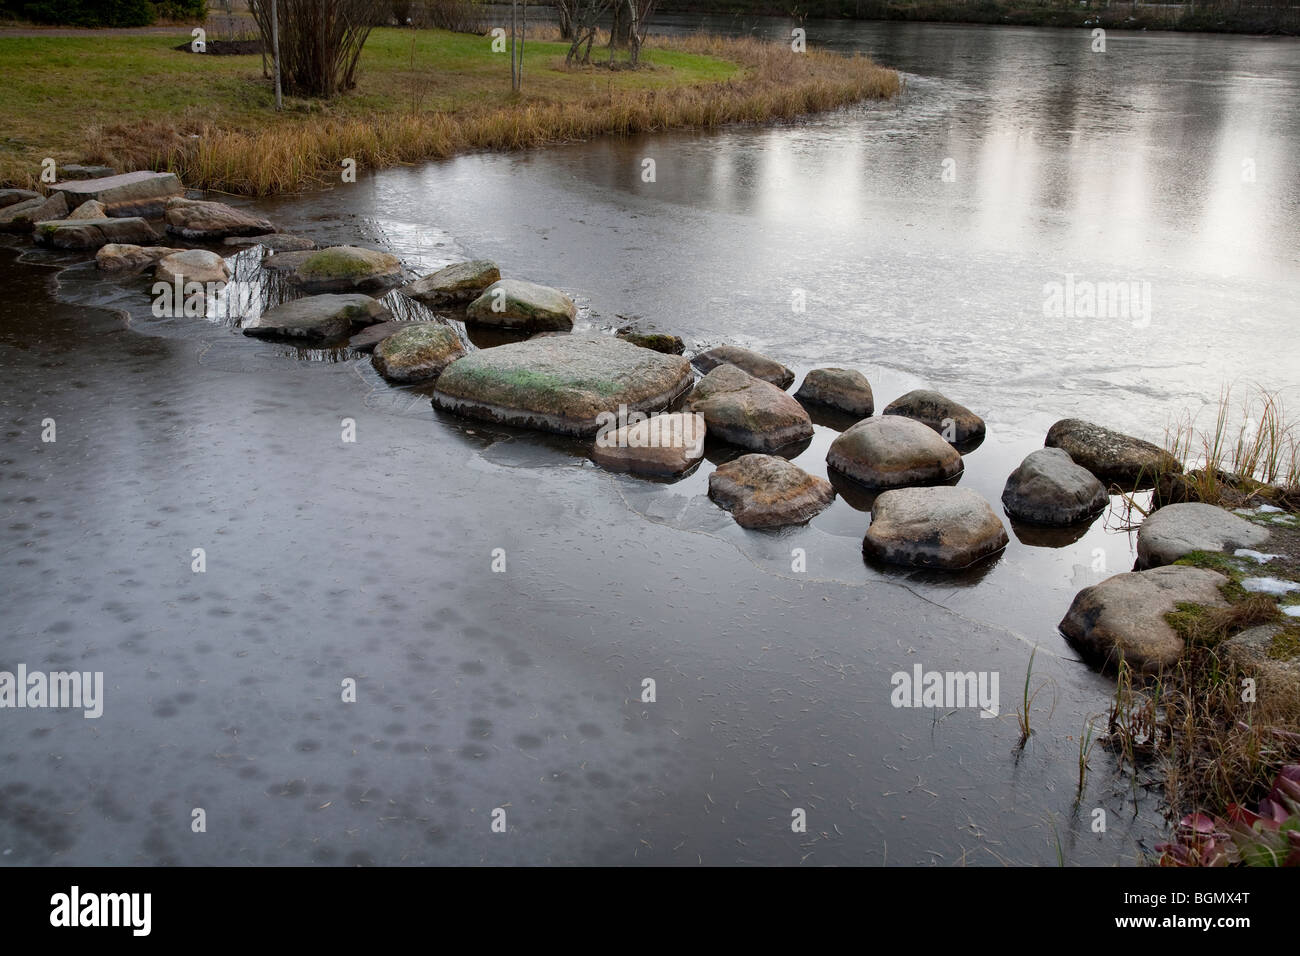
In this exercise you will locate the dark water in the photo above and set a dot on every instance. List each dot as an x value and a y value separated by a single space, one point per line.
521 690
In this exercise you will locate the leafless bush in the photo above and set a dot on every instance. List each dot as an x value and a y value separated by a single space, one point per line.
320 41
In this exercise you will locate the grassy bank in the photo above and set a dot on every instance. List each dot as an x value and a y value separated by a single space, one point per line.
135 102
1209 17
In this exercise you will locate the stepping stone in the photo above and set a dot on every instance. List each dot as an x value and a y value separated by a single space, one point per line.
192 265
142 193
571 384
663 445
1177 530
516 304
125 257
197 219
77 171
955 423
286 262
1050 489
318 318
273 241
458 282
418 352
941 527
893 452
766 491
759 366
656 341
22 216
345 269
93 233
1125 615
843 389
372 335
1115 458
749 412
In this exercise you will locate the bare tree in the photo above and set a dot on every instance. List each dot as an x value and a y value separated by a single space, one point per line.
586 16
320 41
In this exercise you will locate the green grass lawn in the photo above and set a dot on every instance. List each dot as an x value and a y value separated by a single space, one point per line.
59 87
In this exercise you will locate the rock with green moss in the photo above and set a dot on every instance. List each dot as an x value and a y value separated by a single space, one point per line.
766 491
569 383
93 233
516 304
1269 653
418 353
657 341
748 411
1127 615
346 268
318 318
1179 529
456 283
759 366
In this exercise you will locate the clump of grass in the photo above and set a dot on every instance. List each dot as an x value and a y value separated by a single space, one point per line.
1026 703
1202 626
1085 750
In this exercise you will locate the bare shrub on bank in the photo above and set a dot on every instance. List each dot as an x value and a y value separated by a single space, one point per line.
320 41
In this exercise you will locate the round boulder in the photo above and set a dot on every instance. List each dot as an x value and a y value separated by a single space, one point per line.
759 366
125 257
1049 488
843 389
516 304
198 219
192 265
1124 616
1177 530
941 527
418 353
956 423
664 445
749 412
458 282
766 491
1112 456
893 452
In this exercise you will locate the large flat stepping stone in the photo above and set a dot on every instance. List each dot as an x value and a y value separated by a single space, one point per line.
372 335
1125 615
748 411
418 352
663 445
766 491
21 216
1259 653
561 383
954 422
843 389
199 219
1115 458
344 269
141 193
517 304
893 452
941 527
458 282
93 233
78 171
318 318
759 366
273 241
125 257
192 265
1050 489
1177 530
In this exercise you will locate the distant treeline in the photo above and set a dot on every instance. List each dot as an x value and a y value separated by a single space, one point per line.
1226 16
103 13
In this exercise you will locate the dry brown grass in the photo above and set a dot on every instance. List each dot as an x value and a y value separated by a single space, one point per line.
300 153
